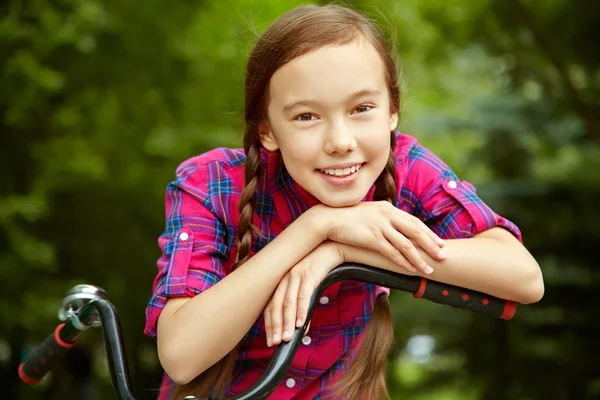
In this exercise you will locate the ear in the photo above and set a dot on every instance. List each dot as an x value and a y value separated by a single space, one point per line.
266 136
393 121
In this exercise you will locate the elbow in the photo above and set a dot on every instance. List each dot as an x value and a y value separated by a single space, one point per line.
533 288
179 375
177 378
529 276
178 365
534 293
180 380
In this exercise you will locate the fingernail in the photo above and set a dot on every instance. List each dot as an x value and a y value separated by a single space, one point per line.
298 323
439 241
428 270
275 338
286 335
441 254
268 342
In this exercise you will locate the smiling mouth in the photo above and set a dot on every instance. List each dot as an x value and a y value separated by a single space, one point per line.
341 172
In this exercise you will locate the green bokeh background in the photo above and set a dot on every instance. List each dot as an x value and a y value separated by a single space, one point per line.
101 100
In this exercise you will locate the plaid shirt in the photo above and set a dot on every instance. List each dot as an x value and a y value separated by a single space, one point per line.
199 248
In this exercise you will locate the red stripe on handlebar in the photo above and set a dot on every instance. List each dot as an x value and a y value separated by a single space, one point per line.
421 290
25 378
59 341
510 307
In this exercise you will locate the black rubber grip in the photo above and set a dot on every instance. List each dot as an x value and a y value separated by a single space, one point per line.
41 360
454 296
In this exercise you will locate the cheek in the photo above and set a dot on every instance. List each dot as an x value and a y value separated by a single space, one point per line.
300 145
299 153
378 151
378 143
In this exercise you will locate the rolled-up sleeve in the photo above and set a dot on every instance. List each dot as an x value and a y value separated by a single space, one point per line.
193 247
448 205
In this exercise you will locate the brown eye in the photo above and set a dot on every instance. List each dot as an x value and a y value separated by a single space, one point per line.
363 108
305 117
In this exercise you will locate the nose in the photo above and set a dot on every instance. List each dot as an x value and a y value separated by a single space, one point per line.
339 139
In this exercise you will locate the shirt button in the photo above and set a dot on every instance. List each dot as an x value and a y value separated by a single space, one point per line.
184 236
452 184
324 300
306 340
290 383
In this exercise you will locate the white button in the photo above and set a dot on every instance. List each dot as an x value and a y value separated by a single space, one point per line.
324 300
306 340
452 184
290 383
184 236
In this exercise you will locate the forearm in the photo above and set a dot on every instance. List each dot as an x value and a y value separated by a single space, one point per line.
493 262
212 323
490 263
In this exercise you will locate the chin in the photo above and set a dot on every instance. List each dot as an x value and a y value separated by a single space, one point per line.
341 201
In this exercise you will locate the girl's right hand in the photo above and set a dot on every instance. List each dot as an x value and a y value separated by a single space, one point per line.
288 307
379 226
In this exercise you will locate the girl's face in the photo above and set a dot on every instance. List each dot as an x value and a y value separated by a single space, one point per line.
329 115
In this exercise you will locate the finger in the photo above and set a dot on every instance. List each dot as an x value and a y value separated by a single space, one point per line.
437 239
307 328
433 235
436 251
386 248
415 229
406 216
305 291
408 250
276 310
289 307
268 331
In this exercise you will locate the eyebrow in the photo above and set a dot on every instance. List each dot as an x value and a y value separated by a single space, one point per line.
353 96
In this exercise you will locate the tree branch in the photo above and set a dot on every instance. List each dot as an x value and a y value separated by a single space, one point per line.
584 111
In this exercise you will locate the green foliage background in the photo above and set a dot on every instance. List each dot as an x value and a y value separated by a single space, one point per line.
100 101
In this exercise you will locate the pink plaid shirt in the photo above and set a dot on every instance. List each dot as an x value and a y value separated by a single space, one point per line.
199 248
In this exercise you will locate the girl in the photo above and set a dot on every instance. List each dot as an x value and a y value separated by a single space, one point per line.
323 178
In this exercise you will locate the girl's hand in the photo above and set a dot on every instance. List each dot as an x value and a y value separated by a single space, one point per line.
288 308
379 226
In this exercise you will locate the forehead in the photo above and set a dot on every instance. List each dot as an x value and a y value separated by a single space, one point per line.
329 73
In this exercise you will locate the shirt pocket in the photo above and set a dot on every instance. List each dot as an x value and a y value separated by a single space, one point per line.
179 262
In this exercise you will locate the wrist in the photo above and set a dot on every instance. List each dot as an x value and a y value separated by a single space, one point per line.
335 253
319 223
338 250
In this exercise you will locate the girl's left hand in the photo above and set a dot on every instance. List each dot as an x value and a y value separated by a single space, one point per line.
288 307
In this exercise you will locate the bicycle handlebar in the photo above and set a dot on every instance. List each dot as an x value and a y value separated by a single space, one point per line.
41 360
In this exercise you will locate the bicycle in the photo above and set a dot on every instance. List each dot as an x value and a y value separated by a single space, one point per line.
87 306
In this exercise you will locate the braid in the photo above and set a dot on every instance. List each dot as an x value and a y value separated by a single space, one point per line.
217 378
248 198
365 376
385 185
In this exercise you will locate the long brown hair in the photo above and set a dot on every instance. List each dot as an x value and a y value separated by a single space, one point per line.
295 33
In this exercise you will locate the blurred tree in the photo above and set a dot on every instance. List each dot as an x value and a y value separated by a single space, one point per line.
87 87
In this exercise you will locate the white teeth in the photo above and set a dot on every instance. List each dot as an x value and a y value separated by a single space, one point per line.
341 172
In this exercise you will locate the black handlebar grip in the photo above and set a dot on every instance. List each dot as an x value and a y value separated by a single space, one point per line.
41 360
464 298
